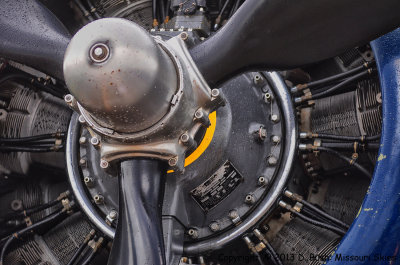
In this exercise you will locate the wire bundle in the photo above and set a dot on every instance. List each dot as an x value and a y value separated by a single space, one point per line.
38 143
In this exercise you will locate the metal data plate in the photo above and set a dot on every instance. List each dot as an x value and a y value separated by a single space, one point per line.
217 187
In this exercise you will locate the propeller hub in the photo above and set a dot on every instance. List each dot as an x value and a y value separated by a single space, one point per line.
120 75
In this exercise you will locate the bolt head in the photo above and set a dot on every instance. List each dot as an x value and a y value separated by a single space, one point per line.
82 140
215 92
214 226
184 36
198 114
272 161
68 98
95 141
81 119
233 214
173 161
276 139
274 118
104 164
113 214
82 161
185 138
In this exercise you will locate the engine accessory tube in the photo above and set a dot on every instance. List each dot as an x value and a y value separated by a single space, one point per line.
82 246
312 221
270 249
329 79
292 38
139 238
28 229
298 198
339 155
330 90
304 135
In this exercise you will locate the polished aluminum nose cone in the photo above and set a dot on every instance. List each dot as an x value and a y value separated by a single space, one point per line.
120 75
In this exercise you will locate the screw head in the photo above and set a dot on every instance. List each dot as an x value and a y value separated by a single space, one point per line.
272 161
104 164
82 161
214 226
81 119
99 53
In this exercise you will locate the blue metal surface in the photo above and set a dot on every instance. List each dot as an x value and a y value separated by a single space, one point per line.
374 236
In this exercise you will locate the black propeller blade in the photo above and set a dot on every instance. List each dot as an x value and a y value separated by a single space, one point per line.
139 238
30 34
283 34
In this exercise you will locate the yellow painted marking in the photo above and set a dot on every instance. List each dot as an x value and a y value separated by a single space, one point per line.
208 136
359 211
368 209
381 157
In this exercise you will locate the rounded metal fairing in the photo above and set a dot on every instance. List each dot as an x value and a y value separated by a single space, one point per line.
120 75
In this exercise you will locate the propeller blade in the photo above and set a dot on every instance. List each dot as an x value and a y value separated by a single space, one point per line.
32 35
139 238
284 34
